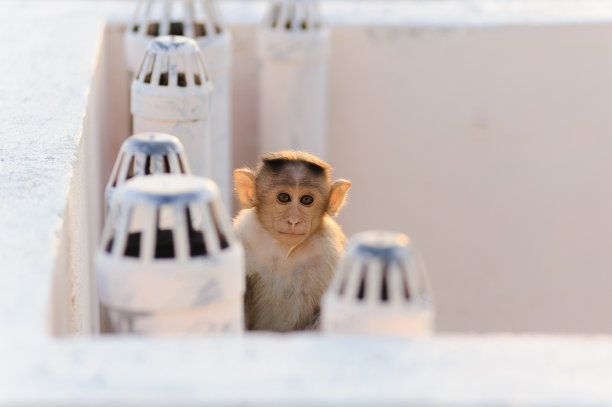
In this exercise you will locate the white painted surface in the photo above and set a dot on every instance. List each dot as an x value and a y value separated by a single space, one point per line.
194 135
294 92
145 153
306 370
42 118
380 287
493 147
47 71
218 54
216 48
178 292
183 110
294 47
489 146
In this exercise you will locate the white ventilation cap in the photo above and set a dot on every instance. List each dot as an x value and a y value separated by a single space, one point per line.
293 31
297 16
197 19
172 83
380 287
171 220
146 154
183 205
169 260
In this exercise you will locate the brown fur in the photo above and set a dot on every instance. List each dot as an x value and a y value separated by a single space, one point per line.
291 249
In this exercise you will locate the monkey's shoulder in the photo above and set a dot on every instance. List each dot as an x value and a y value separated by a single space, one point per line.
329 239
331 231
248 228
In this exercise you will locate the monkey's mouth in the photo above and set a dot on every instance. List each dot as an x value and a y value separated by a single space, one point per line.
291 234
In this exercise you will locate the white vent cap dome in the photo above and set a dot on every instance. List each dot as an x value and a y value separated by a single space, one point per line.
382 267
173 62
168 261
380 287
190 18
197 19
147 154
167 217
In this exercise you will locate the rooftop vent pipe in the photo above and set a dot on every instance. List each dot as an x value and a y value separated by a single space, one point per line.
200 20
146 154
169 261
380 287
294 52
197 19
171 94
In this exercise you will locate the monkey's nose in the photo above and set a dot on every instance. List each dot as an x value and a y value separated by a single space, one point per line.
293 221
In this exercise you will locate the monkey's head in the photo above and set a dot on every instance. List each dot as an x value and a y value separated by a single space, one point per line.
291 192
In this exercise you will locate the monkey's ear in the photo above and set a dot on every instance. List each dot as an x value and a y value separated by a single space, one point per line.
245 186
337 194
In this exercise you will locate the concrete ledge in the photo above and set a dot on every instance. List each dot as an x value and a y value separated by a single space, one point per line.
306 370
443 13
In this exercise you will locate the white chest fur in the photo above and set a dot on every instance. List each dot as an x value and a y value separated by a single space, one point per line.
284 285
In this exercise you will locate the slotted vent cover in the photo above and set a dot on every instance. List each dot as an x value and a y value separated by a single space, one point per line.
190 18
168 261
380 287
195 19
146 154
173 62
293 15
167 217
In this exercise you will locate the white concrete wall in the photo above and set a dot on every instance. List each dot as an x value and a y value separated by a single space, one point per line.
105 125
489 146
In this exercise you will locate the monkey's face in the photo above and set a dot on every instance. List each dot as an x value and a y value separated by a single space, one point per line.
291 193
291 214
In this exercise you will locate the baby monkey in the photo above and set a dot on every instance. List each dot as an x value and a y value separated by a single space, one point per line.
292 244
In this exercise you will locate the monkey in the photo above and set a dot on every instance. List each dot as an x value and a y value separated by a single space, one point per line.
292 245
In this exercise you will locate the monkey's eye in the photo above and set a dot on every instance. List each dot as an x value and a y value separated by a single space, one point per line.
283 197
306 200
